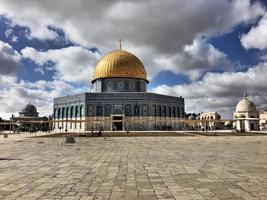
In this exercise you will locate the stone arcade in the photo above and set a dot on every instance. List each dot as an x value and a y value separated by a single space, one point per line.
118 100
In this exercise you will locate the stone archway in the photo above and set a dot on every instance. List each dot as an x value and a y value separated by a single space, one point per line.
117 122
117 119
252 126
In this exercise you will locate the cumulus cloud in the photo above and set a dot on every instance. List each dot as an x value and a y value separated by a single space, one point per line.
154 29
257 37
165 35
221 91
72 64
15 94
197 58
9 59
37 24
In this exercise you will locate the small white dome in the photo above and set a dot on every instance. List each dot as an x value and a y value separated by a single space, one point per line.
245 105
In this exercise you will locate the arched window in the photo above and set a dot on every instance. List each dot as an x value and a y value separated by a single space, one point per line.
178 112
76 111
107 110
115 85
128 110
58 113
81 114
154 110
67 112
136 110
145 110
81 111
71 112
98 110
170 111
173 112
55 113
159 110
182 112
164 111
117 111
126 85
88 110
63 113
91 110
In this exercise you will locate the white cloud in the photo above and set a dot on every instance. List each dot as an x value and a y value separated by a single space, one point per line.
15 94
257 37
197 58
31 18
164 34
14 38
156 30
72 64
221 91
9 59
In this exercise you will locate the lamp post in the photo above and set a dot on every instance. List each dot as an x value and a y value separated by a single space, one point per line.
11 124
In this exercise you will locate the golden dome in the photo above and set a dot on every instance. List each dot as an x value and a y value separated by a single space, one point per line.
119 64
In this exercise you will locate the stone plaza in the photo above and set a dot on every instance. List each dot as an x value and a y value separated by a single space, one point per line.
198 167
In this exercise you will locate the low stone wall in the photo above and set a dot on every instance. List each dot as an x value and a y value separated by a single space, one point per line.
121 134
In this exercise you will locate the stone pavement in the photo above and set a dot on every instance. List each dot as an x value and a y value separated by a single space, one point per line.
134 168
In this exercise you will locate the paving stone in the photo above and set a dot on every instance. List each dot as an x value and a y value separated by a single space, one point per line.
135 168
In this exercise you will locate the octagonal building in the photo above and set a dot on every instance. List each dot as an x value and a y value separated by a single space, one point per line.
246 115
118 100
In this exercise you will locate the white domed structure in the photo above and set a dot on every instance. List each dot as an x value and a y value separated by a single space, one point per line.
246 115
245 105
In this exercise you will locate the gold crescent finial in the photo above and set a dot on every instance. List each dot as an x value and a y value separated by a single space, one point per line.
120 41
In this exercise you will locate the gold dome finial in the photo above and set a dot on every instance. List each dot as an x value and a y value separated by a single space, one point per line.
120 42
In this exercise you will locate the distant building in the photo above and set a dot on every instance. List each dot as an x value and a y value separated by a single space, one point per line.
29 120
210 120
246 116
263 120
4 124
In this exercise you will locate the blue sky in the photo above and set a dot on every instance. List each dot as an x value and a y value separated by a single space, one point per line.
209 54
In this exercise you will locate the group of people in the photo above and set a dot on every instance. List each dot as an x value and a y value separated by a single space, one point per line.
99 130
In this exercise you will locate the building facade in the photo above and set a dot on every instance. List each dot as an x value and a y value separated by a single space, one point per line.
210 121
263 120
118 100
